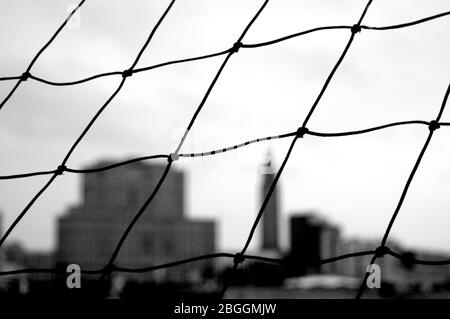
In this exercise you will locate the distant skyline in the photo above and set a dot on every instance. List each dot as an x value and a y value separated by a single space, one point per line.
355 182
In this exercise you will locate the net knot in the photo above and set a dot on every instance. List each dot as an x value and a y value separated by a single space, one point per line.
434 125
382 250
127 73
60 169
301 131
356 28
236 47
238 258
109 268
25 76
173 157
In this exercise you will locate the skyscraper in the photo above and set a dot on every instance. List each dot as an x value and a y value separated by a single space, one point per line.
270 217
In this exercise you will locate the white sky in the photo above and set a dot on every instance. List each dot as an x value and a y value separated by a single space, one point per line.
355 181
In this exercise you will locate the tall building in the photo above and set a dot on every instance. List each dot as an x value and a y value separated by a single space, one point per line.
89 231
270 217
312 240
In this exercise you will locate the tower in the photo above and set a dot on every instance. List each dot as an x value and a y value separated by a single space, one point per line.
270 216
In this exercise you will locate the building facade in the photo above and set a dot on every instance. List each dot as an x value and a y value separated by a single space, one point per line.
270 217
89 232
312 240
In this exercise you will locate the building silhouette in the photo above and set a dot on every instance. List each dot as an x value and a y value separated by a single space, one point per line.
270 217
88 232
312 240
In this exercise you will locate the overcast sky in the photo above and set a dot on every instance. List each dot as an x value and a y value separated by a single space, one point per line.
355 181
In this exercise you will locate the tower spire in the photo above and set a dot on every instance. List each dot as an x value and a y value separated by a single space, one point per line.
267 165
270 216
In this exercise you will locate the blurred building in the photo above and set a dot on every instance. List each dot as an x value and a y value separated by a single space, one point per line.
329 246
40 260
429 278
270 217
89 232
312 240
355 266
13 257
404 275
